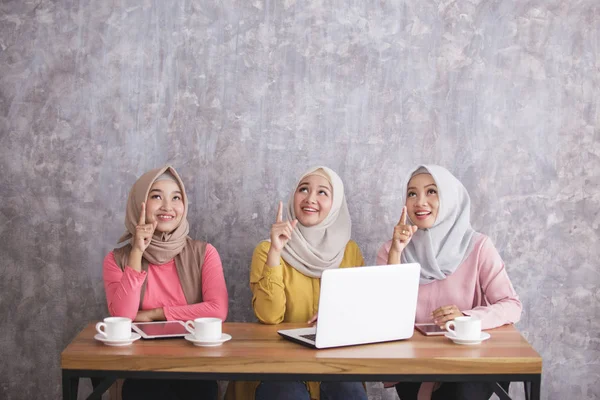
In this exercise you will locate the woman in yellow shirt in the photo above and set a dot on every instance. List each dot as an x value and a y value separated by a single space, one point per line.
286 271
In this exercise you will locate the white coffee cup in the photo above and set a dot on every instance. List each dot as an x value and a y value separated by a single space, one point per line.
115 328
465 327
205 328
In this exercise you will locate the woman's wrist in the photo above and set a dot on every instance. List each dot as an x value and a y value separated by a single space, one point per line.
135 259
158 314
394 256
155 314
135 252
273 257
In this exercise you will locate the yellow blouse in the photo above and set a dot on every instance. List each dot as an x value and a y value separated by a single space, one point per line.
282 294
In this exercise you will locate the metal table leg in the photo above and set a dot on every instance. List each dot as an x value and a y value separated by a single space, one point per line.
500 392
70 385
100 385
536 389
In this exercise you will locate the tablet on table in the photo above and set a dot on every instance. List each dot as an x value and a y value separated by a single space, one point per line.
160 329
430 329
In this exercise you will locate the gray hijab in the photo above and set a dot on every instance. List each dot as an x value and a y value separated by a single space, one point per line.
442 248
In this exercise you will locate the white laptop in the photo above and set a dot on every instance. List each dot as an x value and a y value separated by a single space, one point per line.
363 305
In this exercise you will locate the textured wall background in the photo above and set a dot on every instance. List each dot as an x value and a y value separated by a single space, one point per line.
241 96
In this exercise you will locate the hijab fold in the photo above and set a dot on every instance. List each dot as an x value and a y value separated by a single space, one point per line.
442 248
314 249
164 246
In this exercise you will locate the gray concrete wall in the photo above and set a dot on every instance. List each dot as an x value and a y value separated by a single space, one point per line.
241 96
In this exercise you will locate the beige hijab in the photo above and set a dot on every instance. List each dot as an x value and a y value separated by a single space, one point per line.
164 246
312 250
188 253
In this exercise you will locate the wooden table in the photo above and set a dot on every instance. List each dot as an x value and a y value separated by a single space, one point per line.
257 352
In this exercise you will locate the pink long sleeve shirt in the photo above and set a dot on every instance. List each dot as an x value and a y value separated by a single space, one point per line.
164 290
479 287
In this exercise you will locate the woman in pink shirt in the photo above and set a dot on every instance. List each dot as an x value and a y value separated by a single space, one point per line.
461 270
163 274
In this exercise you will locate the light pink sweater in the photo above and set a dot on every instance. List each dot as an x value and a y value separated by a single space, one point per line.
164 289
479 287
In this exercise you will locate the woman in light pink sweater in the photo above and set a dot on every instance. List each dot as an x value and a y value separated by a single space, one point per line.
461 270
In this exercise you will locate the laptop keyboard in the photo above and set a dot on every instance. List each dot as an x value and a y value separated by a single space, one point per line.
312 336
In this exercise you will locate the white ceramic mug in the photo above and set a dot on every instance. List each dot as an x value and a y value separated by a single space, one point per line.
465 327
205 328
115 328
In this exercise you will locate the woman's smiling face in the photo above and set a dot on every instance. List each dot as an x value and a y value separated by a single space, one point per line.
312 200
165 205
422 200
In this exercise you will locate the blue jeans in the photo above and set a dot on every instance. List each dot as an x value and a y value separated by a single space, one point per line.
295 390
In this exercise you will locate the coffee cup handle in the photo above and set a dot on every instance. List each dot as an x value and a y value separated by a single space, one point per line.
100 325
189 328
448 324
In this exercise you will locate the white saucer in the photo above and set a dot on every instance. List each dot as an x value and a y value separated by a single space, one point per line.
119 342
208 343
484 336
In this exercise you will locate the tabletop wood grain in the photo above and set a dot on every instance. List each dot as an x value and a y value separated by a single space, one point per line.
257 348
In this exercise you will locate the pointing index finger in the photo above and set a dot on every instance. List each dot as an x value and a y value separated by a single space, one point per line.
280 212
142 220
403 216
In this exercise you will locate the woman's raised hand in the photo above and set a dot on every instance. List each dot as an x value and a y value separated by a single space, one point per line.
402 233
143 232
281 231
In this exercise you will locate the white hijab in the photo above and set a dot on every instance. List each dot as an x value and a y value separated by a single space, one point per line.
442 248
312 250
